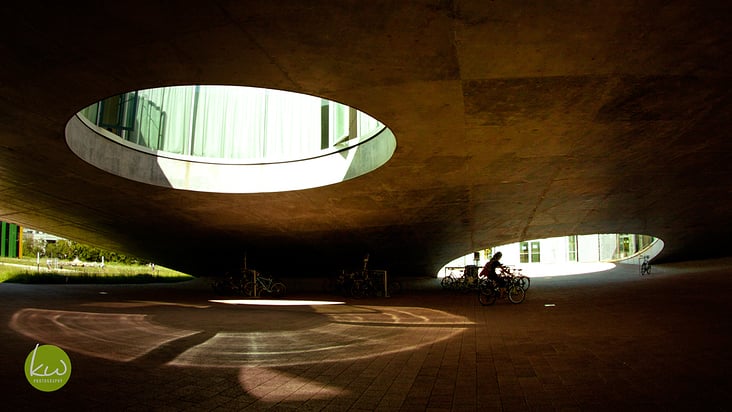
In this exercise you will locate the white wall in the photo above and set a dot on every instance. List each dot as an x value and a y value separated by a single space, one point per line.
587 249
590 249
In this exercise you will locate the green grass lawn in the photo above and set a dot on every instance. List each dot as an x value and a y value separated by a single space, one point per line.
27 271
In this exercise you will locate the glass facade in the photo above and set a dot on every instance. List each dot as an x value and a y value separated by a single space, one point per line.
572 248
11 238
530 252
630 244
233 123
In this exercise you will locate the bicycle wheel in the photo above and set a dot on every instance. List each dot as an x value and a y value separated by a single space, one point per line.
358 290
447 282
516 294
248 289
487 296
524 282
278 289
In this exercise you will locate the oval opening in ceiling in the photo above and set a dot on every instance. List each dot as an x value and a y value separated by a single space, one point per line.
229 139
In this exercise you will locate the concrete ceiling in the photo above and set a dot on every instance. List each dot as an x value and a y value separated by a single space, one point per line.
513 120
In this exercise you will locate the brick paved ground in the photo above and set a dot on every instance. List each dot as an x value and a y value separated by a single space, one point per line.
612 341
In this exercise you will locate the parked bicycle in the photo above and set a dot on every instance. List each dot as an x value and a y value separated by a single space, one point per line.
515 273
261 284
449 282
361 285
644 265
228 284
243 283
368 282
462 279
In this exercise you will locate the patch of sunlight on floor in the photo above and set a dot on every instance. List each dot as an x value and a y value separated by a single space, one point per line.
366 332
119 337
276 302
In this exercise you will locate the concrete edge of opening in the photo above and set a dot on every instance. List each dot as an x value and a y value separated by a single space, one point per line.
99 148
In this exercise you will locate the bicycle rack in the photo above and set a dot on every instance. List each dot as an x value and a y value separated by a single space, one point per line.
386 280
254 275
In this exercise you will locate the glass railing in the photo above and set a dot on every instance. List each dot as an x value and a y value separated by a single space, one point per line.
232 124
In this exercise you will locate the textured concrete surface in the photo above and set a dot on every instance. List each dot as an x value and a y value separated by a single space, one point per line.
513 120
609 341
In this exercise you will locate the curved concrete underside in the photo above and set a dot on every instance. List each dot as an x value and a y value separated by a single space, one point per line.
512 121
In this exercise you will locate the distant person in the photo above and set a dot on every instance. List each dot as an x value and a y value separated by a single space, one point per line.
490 270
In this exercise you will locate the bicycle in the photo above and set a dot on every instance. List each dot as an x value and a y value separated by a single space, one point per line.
228 284
263 284
644 265
462 279
361 285
491 290
369 282
449 282
515 273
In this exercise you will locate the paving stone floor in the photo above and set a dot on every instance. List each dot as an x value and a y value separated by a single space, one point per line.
611 341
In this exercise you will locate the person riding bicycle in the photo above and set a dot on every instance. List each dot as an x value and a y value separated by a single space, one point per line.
490 270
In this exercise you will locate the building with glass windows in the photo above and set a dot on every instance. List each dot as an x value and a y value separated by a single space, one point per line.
246 124
566 249
11 240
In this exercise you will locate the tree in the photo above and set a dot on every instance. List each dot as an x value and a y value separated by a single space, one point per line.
68 249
